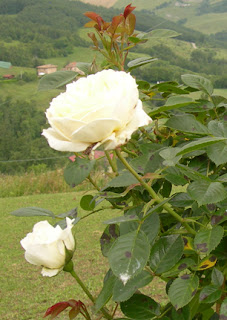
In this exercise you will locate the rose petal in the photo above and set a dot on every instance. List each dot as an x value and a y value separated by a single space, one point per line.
96 130
49 255
50 272
65 127
55 141
139 119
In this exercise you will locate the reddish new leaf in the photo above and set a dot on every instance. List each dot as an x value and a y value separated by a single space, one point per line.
95 17
57 308
130 23
116 21
128 10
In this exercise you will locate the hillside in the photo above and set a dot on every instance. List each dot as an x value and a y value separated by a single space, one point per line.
31 35
207 16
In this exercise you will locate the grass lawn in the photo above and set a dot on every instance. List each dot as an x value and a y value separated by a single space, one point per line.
25 294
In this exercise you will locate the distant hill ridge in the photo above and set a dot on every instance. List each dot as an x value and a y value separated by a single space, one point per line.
206 16
104 3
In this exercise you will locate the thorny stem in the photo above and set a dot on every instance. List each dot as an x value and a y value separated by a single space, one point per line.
154 195
115 309
146 134
95 211
111 162
93 182
133 154
88 293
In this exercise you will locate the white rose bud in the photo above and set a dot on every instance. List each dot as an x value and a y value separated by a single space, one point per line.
47 246
103 108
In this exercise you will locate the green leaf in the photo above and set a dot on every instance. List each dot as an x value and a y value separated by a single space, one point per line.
210 294
217 277
84 66
110 234
143 85
181 200
165 253
151 226
87 202
172 103
32 212
223 310
182 290
170 156
139 62
166 189
71 214
134 40
161 33
155 162
140 307
123 292
139 163
130 226
222 178
56 79
207 240
218 153
106 293
124 179
206 192
129 254
125 218
179 267
218 101
218 128
199 144
187 123
182 314
169 88
178 100
191 173
174 175
76 172
198 82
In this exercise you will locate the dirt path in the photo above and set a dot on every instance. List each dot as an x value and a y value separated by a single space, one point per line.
104 3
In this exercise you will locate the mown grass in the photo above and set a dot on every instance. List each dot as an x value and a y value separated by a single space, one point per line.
25 294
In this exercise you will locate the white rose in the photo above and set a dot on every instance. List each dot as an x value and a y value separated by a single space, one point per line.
45 246
103 108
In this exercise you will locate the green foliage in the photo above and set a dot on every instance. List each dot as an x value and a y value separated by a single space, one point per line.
172 189
170 185
21 125
56 80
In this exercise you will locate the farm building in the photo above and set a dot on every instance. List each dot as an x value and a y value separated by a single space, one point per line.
72 67
46 69
5 64
8 76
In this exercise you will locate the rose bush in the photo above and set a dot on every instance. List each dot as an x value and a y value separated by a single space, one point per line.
46 246
103 108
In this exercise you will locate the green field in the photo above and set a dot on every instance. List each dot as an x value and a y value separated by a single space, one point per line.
209 23
206 23
25 294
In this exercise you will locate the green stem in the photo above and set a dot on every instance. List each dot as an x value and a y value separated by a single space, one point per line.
95 211
88 293
133 154
81 284
154 195
111 162
93 183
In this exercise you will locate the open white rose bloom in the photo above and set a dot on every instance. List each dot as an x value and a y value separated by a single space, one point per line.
103 108
45 246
